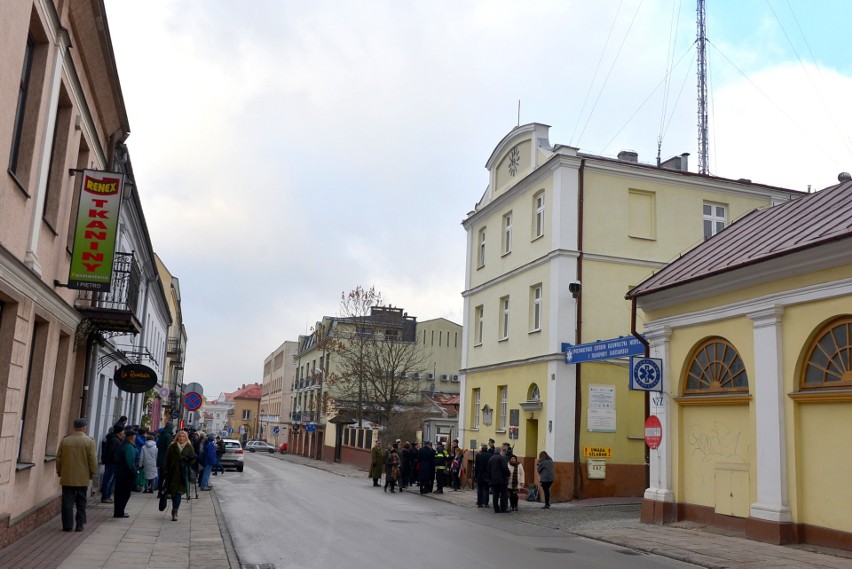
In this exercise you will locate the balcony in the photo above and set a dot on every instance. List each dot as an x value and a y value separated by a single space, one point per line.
114 311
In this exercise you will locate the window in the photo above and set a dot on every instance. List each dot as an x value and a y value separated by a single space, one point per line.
535 308
246 414
538 215
25 128
477 407
504 406
20 110
716 366
481 257
479 320
642 214
504 318
507 233
829 357
57 170
36 372
535 393
715 219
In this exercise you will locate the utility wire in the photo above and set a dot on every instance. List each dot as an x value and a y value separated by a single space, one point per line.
669 62
597 68
623 41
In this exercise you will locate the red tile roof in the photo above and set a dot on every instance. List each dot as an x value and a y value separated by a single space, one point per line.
250 391
760 236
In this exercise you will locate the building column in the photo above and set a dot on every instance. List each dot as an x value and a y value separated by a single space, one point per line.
658 505
770 516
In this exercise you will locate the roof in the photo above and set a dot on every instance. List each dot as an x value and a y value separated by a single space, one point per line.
762 235
250 391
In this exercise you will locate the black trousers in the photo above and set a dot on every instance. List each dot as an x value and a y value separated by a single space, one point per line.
73 496
501 497
123 487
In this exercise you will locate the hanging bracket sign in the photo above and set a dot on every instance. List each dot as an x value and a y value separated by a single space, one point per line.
135 378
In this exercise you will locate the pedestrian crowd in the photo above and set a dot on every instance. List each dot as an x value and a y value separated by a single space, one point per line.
497 473
164 461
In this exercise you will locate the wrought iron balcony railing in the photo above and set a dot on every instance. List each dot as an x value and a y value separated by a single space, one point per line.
114 310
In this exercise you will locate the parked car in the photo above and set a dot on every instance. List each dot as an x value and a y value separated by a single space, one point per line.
234 456
259 446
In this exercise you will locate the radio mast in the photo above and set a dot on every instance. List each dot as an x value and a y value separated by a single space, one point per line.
701 42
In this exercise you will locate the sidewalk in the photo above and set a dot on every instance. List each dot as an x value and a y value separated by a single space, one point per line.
616 521
148 538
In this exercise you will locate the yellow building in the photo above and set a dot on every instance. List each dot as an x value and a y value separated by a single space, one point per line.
278 374
755 329
245 417
553 245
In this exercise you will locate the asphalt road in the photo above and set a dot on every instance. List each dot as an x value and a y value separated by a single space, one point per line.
285 515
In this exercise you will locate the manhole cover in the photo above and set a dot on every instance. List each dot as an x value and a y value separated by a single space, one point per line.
553 550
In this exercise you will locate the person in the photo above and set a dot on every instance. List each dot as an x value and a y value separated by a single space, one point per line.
456 468
392 469
546 476
176 470
516 481
141 439
125 473
480 472
440 467
407 465
415 464
163 441
220 452
376 462
148 462
208 456
491 448
498 476
426 472
109 448
76 464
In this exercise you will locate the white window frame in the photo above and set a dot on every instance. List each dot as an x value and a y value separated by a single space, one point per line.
507 233
477 406
481 254
538 215
713 218
504 318
504 407
535 308
478 325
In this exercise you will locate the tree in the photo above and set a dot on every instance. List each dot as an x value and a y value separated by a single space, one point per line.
377 359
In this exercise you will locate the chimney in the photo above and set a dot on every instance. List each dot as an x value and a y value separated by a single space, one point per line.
629 156
844 177
679 163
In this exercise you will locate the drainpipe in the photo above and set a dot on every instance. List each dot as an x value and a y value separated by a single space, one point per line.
645 343
578 394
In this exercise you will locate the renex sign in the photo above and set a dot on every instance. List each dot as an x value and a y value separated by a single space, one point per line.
97 226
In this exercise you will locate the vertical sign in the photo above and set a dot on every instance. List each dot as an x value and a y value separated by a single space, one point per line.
97 227
601 417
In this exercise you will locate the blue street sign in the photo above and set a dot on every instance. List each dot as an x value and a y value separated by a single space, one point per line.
646 374
275 429
603 350
310 427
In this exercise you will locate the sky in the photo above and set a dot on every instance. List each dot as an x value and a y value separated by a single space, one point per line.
287 152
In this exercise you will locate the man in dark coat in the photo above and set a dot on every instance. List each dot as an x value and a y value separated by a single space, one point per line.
125 473
109 448
426 474
498 472
163 442
377 462
480 471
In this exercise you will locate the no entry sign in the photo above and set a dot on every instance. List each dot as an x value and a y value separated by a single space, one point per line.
192 401
653 432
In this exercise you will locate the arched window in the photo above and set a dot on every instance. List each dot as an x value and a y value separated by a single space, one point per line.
829 357
716 367
534 394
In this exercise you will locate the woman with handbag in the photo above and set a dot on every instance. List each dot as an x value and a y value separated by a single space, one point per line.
179 457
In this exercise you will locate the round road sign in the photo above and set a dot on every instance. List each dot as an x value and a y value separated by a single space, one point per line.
192 401
653 432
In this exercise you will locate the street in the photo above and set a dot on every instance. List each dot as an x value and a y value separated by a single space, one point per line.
282 514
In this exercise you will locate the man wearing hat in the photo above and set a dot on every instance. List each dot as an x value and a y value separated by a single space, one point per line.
125 473
76 464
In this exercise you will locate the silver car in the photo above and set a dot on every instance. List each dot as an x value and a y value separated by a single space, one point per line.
234 456
259 446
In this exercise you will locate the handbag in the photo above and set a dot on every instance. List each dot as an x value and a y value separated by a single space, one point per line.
532 494
162 504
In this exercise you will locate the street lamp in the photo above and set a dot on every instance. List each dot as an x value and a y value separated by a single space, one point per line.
260 430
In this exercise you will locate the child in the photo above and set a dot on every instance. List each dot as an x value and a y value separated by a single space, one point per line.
149 464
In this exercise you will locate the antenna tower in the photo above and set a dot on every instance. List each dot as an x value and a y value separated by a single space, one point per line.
701 42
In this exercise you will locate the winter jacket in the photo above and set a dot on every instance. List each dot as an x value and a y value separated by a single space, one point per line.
163 442
545 471
498 469
149 460
177 467
109 446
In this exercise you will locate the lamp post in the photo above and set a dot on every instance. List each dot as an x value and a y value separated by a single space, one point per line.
260 425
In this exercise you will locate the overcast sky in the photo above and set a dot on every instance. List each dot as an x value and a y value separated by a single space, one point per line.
286 152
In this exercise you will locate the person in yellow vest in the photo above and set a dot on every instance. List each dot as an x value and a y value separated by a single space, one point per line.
440 467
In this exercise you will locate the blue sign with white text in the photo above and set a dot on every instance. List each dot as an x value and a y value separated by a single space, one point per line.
603 350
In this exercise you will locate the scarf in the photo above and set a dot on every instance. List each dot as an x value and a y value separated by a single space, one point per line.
514 477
